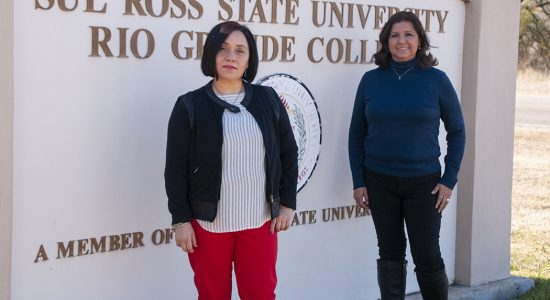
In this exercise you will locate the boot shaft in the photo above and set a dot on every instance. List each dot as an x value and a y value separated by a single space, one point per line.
392 276
433 286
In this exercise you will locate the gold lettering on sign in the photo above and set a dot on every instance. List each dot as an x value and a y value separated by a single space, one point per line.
269 46
150 44
63 250
103 42
304 217
268 42
41 255
343 212
227 8
241 9
63 5
429 14
335 11
122 43
350 14
162 236
137 240
315 14
291 18
38 4
362 15
339 52
98 247
88 246
344 15
379 16
151 11
258 11
114 242
198 6
348 53
274 11
124 241
134 4
182 10
201 36
90 7
392 11
310 46
176 42
96 42
83 247
287 55
363 52
441 20
189 36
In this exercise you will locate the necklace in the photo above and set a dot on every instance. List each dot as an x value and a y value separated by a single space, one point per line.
229 98
232 100
219 91
401 75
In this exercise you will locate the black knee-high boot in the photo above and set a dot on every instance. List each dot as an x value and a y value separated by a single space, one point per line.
433 286
392 276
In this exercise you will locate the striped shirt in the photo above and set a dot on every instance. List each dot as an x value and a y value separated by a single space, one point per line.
242 203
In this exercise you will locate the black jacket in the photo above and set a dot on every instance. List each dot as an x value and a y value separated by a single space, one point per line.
193 170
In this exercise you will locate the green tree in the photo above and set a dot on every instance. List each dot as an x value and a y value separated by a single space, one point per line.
534 35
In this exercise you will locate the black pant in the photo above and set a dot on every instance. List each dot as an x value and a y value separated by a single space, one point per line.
393 200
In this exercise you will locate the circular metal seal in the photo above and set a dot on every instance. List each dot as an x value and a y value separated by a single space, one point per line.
304 118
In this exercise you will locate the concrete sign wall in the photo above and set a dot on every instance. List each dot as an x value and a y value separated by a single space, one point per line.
94 84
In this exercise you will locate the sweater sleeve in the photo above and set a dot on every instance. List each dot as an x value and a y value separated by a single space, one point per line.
451 115
177 162
289 157
356 137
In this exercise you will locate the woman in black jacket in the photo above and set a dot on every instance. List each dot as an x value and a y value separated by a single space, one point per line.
231 171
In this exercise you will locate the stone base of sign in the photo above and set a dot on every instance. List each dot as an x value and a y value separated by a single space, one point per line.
504 289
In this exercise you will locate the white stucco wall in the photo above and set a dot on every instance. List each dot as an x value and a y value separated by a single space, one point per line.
89 139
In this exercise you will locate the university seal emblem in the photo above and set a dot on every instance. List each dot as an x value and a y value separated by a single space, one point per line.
304 118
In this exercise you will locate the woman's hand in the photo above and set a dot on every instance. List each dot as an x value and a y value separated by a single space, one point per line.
443 196
282 222
362 198
185 237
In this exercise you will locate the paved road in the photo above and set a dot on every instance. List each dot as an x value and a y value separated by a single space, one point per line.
533 110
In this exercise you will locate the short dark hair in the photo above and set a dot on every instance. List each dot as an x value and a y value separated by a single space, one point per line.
214 42
383 56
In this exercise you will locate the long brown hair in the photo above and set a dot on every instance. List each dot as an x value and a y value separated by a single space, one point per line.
383 56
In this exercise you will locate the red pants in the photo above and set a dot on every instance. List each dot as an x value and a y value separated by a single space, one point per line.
252 251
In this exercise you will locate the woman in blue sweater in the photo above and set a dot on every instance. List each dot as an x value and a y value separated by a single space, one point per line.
394 155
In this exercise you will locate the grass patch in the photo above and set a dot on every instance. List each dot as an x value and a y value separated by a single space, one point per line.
541 290
530 82
530 238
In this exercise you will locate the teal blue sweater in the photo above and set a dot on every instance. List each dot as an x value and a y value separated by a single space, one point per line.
395 124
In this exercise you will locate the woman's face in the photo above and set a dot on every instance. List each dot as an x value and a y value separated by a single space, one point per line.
403 41
232 58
